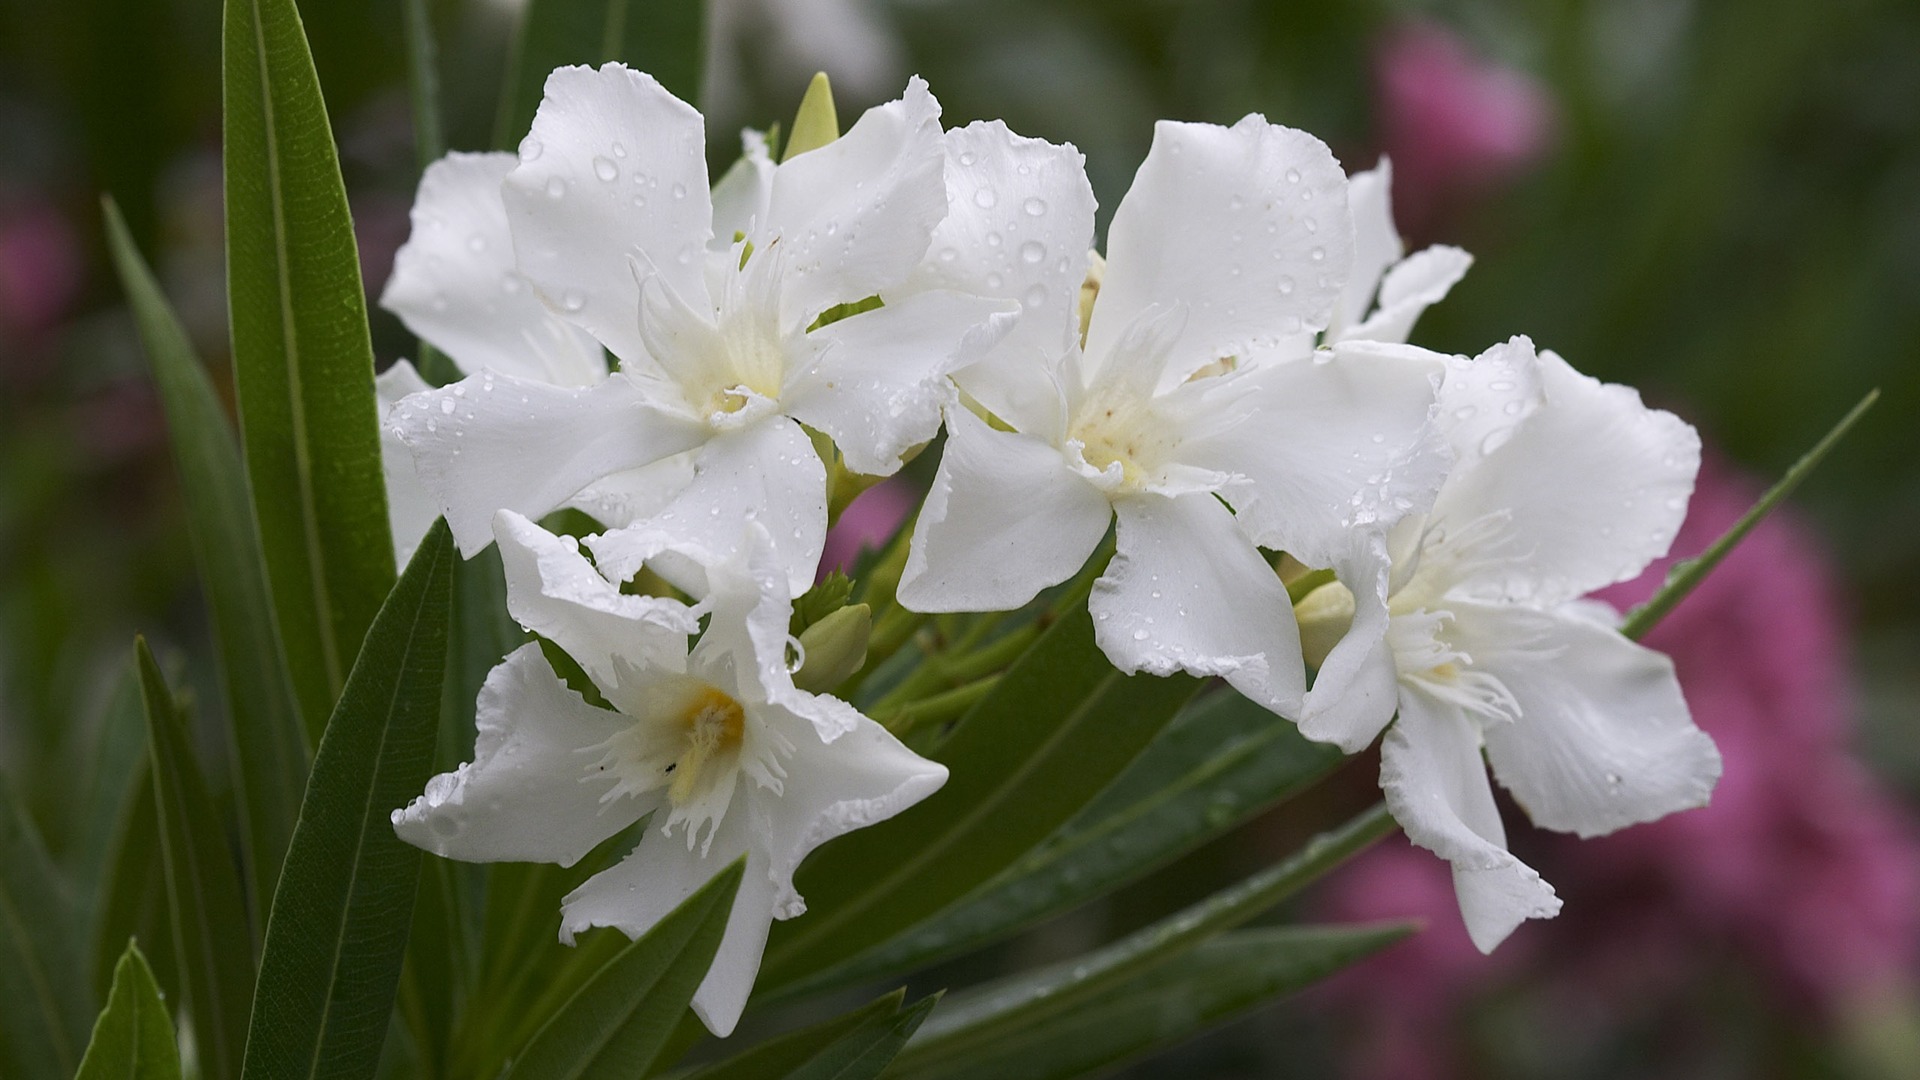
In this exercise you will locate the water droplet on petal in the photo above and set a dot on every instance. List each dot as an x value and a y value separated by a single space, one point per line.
1285 285
679 191
530 149
605 169
1293 176
476 243
1035 296
447 406
1036 206
985 198
1033 251
619 150
573 300
1139 635
556 187
948 254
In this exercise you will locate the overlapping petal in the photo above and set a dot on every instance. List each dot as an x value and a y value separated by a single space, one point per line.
613 174
1006 517
456 285
1247 226
1187 591
410 507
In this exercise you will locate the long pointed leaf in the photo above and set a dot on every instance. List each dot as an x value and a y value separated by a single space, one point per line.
211 943
341 914
787 1054
43 1021
1688 573
1222 979
1222 761
266 734
991 1013
1056 729
133 888
620 1020
133 1039
303 360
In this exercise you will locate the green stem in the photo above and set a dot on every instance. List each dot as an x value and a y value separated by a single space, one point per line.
937 708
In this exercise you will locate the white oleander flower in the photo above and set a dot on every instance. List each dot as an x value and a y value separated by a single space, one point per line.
1232 244
1560 485
716 744
1388 292
713 306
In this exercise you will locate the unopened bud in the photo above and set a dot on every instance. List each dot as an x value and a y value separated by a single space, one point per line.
835 648
1324 616
1090 290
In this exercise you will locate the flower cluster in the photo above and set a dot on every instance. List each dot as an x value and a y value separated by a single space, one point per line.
1229 392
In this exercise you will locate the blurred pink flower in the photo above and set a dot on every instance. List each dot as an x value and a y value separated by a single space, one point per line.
41 268
867 522
1453 124
1803 872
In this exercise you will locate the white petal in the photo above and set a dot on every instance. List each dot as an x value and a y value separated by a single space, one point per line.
833 788
622 498
1028 243
1604 739
1422 280
1376 245
880 380
555 592
1247 226
1333 444
766 472
528 795
1484 400
854 216
648 884
741 195
1187 591
1596 484
1356 688
455 284
492 442
614 170
1436 787
1006 517
410 509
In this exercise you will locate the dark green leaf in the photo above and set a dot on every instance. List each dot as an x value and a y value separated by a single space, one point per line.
618 1022
423 82
133 888
1220 762
44 1022
989 1014
133 1039
345 902
117 760
1214 983
1688 573
303 361
266 734
785 1055
1055 730
212 946
663 38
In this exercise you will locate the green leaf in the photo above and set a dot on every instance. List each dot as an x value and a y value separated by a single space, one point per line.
619 1021
1216 982
133 888
990 1014
1057 728
133 1039
785 1055
212 945
266 735
423 82
664 38
42 974
1688 573
815 124
345 902
1222 761
303 361
116 760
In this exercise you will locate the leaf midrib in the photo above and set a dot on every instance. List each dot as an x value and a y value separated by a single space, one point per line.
296 399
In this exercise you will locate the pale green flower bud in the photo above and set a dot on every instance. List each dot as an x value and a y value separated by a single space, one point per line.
835 647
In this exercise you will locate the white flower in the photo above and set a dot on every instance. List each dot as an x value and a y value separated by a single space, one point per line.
1561 485
615 231
716 744
1233 243
1387 293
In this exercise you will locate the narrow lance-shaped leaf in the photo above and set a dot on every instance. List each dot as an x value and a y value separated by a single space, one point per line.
303 360
989 1015
1057 728
1688 573
265 733
1222 761
661 37
212 946
783 1055
133 1038
620 1020
42 974
132 900
1216 982
340 917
